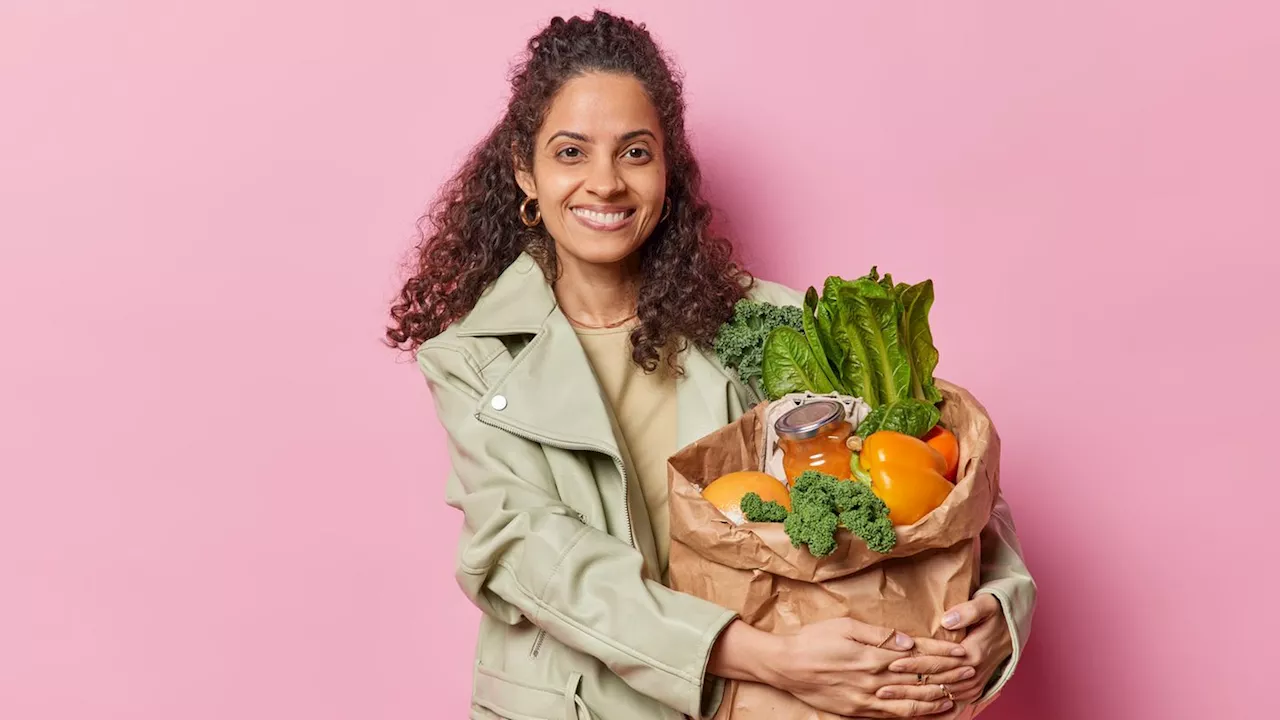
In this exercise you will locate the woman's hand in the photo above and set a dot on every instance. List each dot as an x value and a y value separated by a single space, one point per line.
986 646
833 665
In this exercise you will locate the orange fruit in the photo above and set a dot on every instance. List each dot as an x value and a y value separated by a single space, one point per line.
726 491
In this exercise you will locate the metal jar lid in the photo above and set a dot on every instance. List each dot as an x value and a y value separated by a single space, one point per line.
809 420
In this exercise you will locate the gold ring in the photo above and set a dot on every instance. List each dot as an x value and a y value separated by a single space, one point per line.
950 697
921 679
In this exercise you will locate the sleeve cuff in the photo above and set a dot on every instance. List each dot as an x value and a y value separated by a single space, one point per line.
712 689
1005 672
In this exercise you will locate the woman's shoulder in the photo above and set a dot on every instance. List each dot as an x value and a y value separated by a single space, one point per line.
775 293
455 353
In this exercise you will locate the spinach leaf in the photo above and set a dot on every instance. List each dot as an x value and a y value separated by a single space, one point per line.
790 365
871 422
908 416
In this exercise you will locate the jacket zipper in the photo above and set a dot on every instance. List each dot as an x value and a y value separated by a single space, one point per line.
622 471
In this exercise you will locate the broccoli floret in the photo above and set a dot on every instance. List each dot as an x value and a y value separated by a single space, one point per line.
820 503
756 510
739 343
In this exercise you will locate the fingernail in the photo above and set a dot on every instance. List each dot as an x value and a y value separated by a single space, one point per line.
887 694
904 641
968 673
947 705
895 667
951 620
958 652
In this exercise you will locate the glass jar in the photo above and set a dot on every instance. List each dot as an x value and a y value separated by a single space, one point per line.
813 436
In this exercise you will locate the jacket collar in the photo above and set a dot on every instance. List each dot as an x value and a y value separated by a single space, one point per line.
550 390
518 302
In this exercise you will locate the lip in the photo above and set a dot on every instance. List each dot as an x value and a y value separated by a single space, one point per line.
630 214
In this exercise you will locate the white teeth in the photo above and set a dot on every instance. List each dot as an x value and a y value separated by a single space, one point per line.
599 217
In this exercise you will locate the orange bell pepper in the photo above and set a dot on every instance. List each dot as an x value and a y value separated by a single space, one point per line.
945 442
906 473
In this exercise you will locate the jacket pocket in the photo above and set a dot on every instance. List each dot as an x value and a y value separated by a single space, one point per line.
513 699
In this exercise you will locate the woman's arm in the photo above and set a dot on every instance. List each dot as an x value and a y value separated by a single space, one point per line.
837 665
997 622
524 553
1005 576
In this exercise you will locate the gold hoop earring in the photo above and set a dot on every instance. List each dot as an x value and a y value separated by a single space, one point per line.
666 210
524 213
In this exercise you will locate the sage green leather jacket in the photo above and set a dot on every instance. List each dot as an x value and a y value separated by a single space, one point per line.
556 547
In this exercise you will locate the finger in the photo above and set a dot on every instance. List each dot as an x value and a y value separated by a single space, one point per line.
968 696
972 684
970 613
966 691
975 644
894 684
880 637
911 708
932 692
927 664
933 646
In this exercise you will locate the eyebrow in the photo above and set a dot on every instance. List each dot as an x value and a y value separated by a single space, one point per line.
586 139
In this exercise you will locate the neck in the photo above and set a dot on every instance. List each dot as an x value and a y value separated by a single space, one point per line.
597 295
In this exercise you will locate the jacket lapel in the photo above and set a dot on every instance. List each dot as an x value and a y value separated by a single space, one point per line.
708 397
549 392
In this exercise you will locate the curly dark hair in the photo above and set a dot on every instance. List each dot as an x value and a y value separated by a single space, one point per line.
690 278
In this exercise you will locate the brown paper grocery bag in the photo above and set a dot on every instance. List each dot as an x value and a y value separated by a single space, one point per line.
754 570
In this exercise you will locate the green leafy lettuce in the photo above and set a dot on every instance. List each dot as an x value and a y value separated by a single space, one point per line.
868 337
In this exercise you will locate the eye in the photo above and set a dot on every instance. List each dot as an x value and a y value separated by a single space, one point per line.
637 153
569 153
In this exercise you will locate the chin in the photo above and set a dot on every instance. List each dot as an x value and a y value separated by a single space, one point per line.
605 252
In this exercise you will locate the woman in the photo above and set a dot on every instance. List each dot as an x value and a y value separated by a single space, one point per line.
564 302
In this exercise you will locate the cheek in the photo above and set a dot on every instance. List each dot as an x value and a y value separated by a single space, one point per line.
651 187
554 187
658 173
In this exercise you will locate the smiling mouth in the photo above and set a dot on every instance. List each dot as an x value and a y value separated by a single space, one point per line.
604 220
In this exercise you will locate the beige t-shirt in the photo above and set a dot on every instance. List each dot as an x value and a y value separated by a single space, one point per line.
644 405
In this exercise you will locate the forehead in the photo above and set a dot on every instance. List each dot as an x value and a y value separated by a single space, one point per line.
602 106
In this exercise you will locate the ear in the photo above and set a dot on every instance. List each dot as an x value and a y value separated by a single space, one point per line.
524 176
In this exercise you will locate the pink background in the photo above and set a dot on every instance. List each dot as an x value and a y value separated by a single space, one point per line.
223 499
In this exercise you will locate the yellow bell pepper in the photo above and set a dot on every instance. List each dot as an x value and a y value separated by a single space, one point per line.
906 473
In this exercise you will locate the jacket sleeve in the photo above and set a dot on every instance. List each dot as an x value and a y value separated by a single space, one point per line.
525 553
1005 575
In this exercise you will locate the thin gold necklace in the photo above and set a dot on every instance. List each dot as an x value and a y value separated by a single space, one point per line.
606 326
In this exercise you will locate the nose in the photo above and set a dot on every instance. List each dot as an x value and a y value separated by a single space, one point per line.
604 180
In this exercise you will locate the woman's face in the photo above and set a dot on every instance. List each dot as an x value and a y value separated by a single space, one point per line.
599 173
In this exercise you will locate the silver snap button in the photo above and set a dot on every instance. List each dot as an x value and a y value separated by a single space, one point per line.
499 402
